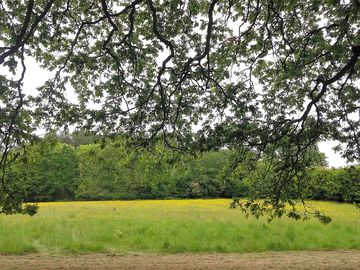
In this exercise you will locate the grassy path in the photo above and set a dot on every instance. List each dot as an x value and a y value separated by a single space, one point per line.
319 260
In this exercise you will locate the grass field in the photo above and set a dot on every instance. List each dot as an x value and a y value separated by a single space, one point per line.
171 226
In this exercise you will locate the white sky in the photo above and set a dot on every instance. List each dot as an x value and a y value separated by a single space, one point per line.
36 76
334 159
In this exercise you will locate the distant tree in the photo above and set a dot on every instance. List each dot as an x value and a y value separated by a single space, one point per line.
116 171
102 174
338 184
204 176
76 138
48 171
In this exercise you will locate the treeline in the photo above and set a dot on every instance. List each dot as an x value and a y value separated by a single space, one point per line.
335 184
75 168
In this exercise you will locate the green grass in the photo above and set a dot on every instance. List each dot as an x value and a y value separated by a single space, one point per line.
170 227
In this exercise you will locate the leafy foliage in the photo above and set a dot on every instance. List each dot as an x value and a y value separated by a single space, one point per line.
335 184
52 171
115 171
251 75
48 171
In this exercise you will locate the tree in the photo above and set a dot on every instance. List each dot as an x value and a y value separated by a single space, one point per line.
47 172
340 184
206 176
76 138
246 74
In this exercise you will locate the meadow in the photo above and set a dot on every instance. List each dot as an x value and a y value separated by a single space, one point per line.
171 226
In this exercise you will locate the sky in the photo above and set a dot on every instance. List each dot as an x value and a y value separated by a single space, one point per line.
35 76
334 159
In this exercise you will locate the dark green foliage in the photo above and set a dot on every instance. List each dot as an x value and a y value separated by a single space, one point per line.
104 173
341 184
48 171
116 172
113 169
52 171
203 176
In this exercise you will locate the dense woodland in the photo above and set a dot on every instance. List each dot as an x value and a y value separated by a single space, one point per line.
78 167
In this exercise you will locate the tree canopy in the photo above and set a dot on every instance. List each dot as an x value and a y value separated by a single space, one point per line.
264 76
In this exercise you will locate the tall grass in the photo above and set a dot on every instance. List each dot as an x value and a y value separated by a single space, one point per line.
169 227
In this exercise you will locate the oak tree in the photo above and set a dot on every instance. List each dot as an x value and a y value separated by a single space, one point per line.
265 76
